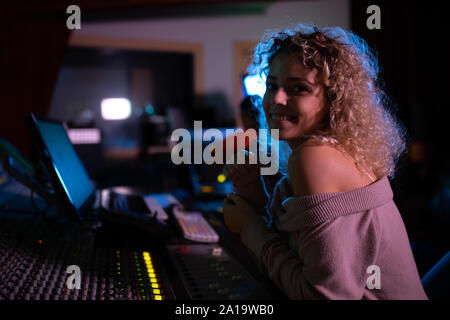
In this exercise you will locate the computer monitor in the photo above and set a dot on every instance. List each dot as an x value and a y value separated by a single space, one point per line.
73 188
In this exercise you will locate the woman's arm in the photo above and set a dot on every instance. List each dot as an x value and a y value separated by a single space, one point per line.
330 262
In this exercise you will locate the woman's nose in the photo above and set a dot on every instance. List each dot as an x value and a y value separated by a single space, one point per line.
280 97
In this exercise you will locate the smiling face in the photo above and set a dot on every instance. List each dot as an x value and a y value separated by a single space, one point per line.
294 101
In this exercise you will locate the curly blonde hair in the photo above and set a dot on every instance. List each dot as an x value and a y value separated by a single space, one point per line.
360 121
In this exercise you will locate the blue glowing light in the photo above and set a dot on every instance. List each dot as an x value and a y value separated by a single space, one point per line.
149 109
63 183
67 165
255 85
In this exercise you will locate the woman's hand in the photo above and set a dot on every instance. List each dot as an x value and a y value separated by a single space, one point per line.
237 212
242 174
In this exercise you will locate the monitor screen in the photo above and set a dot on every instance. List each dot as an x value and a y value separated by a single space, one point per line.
66 163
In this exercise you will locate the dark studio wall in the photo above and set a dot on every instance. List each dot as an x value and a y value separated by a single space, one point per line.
88 75
32 47
413 58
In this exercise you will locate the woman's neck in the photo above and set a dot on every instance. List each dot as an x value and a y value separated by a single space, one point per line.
296 142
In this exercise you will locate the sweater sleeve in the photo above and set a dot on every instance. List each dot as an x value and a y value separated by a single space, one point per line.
330 261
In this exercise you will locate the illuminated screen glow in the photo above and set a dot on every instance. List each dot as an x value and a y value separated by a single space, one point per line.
115 108
84 135
67 165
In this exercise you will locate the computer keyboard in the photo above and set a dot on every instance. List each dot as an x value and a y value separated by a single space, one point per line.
130 211
129 204
152 203
194 226
138 210
143 206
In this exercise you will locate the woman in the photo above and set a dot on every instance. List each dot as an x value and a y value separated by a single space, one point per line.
334 231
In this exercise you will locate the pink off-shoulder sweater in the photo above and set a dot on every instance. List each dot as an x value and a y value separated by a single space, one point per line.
329 246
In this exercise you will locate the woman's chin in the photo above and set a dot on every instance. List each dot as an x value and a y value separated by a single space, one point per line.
282 135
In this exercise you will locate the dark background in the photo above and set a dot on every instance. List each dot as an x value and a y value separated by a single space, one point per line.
412 54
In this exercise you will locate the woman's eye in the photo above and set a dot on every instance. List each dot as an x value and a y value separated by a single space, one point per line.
298 89
293 90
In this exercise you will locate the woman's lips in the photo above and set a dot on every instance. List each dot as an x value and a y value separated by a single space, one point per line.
278 117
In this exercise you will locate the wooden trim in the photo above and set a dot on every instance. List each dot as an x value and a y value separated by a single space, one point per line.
242 54
196 49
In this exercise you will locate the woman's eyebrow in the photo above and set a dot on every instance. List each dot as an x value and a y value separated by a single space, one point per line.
299 79
292 79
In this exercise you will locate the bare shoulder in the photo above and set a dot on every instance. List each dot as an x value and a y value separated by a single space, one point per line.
315 169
